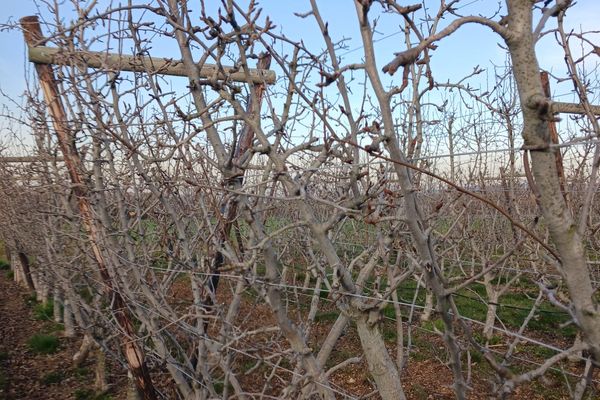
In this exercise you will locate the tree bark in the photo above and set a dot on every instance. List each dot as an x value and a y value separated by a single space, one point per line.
537 113
26 268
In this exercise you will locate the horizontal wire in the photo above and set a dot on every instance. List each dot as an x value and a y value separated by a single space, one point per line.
205 337
412 305
378 299
177 322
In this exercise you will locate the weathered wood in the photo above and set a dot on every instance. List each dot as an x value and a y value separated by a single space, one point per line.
560 169
164 66
573 108
28 159
132 351
558 218
26 270
229 206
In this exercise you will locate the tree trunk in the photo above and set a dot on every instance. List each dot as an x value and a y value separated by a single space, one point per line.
381 366
68 319
536 112
100 383
16 268
24 261
428 308
83 352
58 305
490 318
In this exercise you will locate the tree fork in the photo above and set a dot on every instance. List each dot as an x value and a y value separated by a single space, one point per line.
132 351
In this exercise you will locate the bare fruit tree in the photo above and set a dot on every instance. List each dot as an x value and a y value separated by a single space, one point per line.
257 216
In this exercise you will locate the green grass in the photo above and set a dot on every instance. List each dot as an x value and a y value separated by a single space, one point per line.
470 306
389 312
44 311
337 357
84 394
543 352
43 344
3 383
53 378
422 348
476 357
247 365
436 324
53 327
514 307
4 265
9 275
389 333
219 386
80 372
406 293
89 394
553 387
330 316
300 276
495 339
86 295
30 300
421 393
324 292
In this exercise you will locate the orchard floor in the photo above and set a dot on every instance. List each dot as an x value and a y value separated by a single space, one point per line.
25 374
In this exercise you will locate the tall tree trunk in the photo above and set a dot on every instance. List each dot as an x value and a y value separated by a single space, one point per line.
417 225
537 112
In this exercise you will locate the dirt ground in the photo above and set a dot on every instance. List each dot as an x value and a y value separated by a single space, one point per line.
25 374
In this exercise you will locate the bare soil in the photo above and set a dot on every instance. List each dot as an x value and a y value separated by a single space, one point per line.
25 374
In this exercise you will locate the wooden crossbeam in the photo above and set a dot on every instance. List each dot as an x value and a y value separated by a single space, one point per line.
573 108
28 159
156 65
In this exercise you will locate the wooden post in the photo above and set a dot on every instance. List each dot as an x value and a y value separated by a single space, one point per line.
554 137
132 351
556 107
229 207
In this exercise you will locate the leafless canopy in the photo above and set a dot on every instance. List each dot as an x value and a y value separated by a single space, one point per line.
290 219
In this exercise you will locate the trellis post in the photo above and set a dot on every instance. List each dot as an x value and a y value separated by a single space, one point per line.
43 58
133 352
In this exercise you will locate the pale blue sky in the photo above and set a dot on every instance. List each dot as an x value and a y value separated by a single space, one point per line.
456 56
